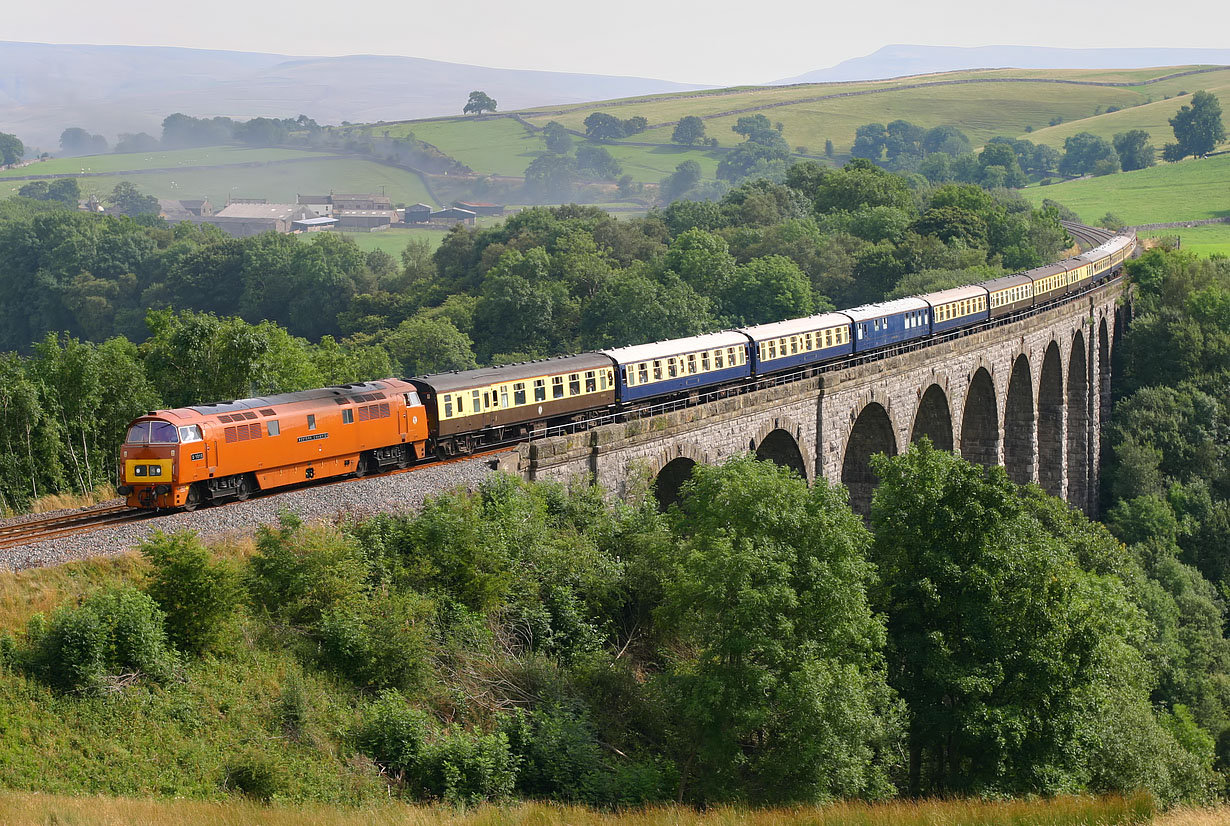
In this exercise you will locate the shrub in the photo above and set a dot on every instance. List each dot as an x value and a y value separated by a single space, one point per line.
292 708
379 643
196 595
302 571
392 734
114 638
254 776
467 767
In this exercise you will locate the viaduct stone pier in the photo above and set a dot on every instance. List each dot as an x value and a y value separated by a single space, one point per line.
1031 395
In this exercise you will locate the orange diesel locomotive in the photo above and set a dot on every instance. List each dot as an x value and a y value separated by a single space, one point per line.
184 457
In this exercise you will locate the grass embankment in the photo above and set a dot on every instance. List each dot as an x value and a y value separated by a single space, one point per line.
275 180
20 809
62 501
1206 240
1184 191
393 241
125 161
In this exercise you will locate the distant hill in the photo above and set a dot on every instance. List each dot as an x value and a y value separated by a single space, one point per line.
899 60
45 88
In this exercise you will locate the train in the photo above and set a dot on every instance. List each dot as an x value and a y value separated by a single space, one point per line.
194 455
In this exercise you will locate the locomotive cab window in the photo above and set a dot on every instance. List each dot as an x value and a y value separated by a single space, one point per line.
190 433
311 422
273 428
348 415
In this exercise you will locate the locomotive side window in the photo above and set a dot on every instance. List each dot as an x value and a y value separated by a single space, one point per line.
273 428
348 413
191 433
311 422
540 390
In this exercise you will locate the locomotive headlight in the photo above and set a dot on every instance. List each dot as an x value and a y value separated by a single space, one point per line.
138 470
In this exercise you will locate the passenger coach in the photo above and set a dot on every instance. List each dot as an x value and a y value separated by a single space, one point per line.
683 365
796 343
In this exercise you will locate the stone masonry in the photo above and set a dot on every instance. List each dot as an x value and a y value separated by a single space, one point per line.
1030 395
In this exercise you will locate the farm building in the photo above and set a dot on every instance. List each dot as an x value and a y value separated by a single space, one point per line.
453 215
243 219
359 203
175 211
480 207
365 220
320 223
417 214
320 204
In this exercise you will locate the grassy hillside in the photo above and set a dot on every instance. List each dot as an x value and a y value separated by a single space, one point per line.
1184 191
1207 240
276 182
120 162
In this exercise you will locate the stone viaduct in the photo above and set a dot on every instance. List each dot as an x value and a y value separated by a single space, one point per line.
1030 394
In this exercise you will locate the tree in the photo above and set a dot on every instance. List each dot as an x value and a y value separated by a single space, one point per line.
77 141
11 149
774 673
196 594
679 183
948 140
130 201
869 141
140 142
597 161
828 148
767 289
423 345
551 178
1135 152
1001 156
1083 151
689 130
478 103
602 126
557 138
1198 128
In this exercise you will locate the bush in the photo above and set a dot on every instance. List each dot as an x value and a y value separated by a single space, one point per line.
467 767
302 571
196 595
113 639
392 734
379 643
256 777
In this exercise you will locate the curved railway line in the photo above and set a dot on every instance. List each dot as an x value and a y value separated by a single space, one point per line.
64 525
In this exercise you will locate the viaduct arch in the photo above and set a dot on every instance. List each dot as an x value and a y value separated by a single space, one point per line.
1032 395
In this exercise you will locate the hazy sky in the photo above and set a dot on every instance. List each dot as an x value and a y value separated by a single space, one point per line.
718 42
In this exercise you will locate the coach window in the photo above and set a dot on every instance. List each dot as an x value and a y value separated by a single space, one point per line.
311 422
591 382
273 428
504 395
557 387
602 379
474 406
540 390
691 363
717 360
460 399
642 372
657 371
860 331
348 415
704 362
519 393
574 384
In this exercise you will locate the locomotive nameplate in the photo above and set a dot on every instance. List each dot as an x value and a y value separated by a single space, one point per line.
313 437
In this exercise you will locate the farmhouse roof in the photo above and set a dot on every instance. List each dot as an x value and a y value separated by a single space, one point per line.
274 211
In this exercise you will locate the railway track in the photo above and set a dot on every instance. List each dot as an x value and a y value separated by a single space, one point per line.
92 519
63 525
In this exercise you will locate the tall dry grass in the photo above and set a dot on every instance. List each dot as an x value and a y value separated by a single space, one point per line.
65 501
1218 816
25 809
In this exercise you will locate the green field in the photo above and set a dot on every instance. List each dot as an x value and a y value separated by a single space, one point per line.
204 156
277 183
1206 240
1184 191
393 241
